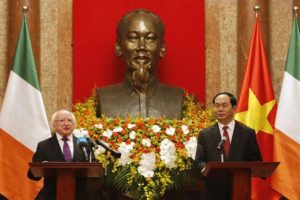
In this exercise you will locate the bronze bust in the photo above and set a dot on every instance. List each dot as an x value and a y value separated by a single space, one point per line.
140 40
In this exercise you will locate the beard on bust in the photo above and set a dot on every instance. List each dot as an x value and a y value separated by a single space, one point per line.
140 75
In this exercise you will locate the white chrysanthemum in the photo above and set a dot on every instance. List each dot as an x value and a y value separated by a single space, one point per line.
147 164
125 150
146 142
191 147
168 153
130 126
117 129
81 133
100 126
132 135
108 133
170 130
155 128
185 129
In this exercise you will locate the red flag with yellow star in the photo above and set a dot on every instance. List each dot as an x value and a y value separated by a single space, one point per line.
257 107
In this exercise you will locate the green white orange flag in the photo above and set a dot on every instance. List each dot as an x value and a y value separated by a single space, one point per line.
286 178
23 122
257 107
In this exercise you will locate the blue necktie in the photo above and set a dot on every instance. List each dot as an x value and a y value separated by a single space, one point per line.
67 150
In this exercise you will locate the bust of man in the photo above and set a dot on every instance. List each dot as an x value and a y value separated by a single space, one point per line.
140 40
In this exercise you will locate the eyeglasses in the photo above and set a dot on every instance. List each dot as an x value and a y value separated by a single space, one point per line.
61 121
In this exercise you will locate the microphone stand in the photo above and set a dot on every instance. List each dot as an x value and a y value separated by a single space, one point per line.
222 156
221 150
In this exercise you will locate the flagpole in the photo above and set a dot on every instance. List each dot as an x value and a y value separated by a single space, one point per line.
256 9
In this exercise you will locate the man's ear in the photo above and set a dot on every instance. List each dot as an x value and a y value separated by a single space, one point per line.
162 50
118 48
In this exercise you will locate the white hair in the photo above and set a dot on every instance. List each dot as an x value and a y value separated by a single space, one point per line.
54 116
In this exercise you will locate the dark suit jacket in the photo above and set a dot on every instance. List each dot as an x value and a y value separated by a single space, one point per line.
49 150
243 147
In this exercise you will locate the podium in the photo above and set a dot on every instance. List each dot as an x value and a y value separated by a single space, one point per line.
66 173
241 173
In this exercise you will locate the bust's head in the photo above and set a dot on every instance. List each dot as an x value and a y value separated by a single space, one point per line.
140 40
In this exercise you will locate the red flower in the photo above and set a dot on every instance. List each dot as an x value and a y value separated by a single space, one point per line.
115 134
145 150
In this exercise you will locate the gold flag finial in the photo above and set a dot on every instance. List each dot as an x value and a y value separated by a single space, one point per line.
256 8
295 8
25 10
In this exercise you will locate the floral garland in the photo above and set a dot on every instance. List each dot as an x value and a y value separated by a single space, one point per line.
156 154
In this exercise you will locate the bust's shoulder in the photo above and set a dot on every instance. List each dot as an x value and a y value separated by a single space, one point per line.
114 88
170 89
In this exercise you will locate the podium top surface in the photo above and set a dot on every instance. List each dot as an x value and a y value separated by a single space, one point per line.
40 169
257 169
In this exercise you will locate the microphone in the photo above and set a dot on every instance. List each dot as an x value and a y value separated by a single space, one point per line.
91 142
83 144
114 153
221 143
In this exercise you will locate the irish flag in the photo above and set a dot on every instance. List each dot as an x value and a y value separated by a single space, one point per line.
286 178
257 108
23 122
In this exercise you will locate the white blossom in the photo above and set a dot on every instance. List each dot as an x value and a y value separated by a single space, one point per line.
108 133
170 130
146 142
130 126
185 129
155 128
132 135
147 164
191 147
98 150
81 133
168 153
117 129
125 150
100 126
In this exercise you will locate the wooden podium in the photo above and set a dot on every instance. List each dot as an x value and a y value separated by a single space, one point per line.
66 173
241 173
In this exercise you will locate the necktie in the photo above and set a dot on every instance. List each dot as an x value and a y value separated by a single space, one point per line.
67 150
227 142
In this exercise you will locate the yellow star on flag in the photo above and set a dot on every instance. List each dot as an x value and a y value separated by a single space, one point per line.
256 116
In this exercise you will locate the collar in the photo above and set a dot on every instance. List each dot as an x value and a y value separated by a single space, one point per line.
152 85
59 137
230 125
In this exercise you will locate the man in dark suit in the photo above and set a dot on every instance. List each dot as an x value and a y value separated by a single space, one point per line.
140 40
240 145
61 147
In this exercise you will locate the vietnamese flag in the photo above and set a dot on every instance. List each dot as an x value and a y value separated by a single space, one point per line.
257 107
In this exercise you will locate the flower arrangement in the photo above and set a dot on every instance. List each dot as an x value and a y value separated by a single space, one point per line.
156 154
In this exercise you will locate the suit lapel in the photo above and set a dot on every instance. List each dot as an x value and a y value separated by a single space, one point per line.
56 148
216 137
235 138
76 150
216 133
